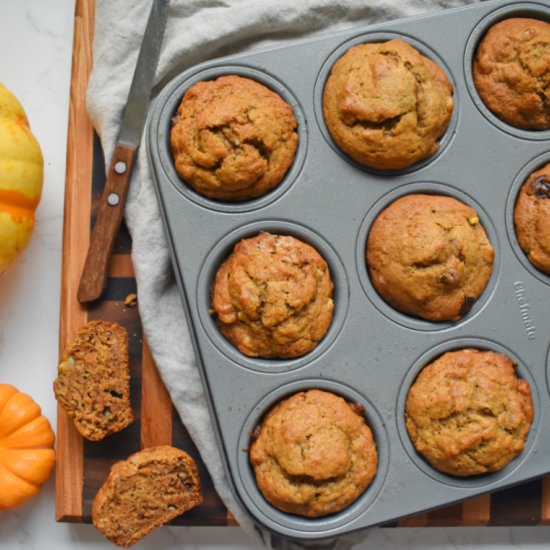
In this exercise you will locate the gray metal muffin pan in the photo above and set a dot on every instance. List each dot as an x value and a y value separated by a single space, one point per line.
371 353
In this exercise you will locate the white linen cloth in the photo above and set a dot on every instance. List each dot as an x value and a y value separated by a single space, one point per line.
197 30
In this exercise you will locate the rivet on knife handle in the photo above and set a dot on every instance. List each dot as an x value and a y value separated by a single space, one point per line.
108 218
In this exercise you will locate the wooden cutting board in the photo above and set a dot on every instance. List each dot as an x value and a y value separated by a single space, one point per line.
83 466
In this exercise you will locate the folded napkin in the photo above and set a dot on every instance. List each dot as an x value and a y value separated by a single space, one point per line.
197 30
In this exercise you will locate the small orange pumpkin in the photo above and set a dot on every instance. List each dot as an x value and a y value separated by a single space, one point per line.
26 448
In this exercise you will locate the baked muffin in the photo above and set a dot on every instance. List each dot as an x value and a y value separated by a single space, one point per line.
386 105
428 256
314 454
511 71
93 380
148 489
233 138
273 297
532 218
468 413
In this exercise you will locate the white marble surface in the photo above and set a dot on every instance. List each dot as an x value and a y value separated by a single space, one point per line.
36 41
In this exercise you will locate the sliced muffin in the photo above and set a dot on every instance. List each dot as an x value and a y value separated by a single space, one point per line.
147 490
93 380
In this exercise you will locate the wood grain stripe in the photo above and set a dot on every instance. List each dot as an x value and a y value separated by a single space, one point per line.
212 511
414 521
444 517
471 512
69 480
476 511
121 266
156 406
231 519
517 505
545 502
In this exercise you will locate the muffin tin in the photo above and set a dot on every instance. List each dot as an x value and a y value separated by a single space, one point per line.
371 353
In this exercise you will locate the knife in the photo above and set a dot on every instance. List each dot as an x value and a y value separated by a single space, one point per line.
113 198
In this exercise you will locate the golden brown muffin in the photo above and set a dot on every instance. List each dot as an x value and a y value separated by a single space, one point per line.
314 454
386 105
93 380
532 218
429 256
148 489
273 297
468 413
511 72
233 138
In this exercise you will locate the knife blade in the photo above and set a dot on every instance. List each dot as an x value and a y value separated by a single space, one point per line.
113 198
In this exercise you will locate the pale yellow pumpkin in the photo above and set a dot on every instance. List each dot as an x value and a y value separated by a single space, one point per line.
26 448
21 178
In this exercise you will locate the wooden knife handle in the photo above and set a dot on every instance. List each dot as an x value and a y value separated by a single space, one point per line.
108 218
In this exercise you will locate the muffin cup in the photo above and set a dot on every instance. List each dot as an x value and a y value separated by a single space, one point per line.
403 319
322 525
477 481
426 51
172 96
533 10
222 250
